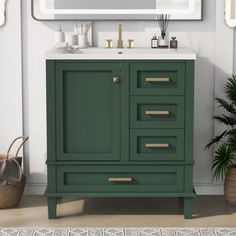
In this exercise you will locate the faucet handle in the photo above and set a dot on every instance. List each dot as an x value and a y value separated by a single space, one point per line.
130 43
109 43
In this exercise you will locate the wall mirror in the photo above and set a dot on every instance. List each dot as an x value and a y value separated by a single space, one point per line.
3 5
116 9
230 13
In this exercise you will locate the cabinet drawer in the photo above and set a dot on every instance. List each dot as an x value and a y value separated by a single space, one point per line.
126 179
164 78
157 112
157 145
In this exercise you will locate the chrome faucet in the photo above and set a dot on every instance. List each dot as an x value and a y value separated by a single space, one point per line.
120 41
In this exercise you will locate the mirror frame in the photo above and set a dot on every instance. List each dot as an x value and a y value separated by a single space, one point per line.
230 13
87 19
4 13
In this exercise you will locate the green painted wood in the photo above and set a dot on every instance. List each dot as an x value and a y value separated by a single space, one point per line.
88 111
51 178
120 194
51 109
188 205
96 129
189 123
124 73
51 121
143 163
173 104
96 179
140 137
52 207
159 69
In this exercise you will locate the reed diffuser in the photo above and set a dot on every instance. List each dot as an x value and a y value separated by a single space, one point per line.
163 21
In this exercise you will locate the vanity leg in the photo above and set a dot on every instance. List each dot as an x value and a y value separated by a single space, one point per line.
188 204
52 207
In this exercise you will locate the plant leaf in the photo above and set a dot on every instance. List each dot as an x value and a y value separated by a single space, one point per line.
230 89
223 159
216 139
227 120
229 107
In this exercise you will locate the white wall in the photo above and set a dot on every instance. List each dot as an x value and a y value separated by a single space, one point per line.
10 77
201 36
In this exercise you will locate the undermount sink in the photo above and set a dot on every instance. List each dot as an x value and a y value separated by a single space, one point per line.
122 54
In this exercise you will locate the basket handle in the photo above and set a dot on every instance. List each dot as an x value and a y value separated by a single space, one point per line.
24 139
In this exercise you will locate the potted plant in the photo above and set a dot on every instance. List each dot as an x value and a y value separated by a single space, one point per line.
224 161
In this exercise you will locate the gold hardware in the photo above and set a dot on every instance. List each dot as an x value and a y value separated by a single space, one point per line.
109 43
157 79
116 80
128 179
130 43
157 145
157 113
120 41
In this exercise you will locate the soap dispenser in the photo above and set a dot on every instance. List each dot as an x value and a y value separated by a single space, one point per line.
59 38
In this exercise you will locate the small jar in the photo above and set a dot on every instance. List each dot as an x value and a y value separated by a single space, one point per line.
173 43
154 42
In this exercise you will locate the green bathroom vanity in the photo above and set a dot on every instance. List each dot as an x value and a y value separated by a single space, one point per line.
120 124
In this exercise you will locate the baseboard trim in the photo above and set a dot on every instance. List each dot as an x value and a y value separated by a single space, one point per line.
209 189
35 189
201 189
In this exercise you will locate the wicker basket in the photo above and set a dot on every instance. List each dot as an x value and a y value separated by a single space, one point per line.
10 195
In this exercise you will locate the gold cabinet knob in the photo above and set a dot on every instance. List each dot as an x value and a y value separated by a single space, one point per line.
116 80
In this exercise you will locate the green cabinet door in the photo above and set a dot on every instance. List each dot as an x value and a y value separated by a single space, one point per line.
87 111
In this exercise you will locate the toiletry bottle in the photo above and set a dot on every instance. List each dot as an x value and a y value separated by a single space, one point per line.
173 42
154 42
59 37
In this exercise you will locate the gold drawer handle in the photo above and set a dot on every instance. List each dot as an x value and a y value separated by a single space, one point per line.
157 145
157 113
157 79
113 179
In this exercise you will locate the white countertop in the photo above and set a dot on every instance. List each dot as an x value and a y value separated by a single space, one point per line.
121 54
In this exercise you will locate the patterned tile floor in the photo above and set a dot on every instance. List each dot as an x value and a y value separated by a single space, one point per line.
118 231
